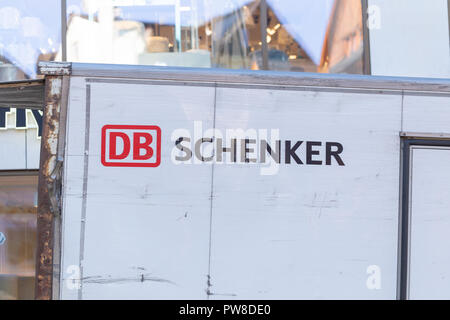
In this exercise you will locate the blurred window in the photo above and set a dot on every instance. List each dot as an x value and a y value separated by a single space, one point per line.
191 33
315 36
18 209
30 31
286 35
298 35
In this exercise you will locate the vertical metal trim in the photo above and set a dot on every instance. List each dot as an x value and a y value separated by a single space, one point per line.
85 185
63 116
263 24
448 8
208 284
57 236
399 222
402 288
401 206
367 67
402 111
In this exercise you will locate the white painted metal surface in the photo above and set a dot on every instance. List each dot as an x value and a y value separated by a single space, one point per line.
225 230
308 231
201 229
430 224
426 114
155 221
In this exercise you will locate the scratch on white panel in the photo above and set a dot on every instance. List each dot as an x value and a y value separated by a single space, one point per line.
140 278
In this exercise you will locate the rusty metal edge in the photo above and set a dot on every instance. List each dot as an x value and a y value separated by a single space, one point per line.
57 237
48 188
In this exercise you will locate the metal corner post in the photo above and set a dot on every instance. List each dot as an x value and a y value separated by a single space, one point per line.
49 186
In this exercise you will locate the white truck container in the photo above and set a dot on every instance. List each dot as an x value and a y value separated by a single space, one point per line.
177 183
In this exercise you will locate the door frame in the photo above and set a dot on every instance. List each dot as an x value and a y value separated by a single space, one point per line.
409 140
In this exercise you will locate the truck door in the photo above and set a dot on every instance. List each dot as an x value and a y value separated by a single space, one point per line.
425 240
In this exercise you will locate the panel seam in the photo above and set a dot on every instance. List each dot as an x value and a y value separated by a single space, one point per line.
208 289
85 183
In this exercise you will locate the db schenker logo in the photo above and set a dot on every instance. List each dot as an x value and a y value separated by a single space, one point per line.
131 146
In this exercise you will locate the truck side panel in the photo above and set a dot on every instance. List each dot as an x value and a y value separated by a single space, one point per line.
206 229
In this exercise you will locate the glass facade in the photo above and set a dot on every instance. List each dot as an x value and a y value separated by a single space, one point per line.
283 35
30 31
301 35
331 36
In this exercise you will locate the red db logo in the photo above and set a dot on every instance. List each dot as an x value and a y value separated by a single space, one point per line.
131 146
